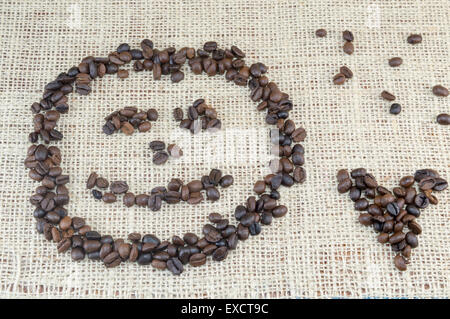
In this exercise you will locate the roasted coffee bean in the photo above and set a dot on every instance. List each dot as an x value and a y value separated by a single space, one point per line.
339 79
175 266
396 237
157 146
97 194
443 119
144 127
279 211
406 181
142 200
355 194
414 38
119 187
387 96
342 175
320 33
365 219
412 240
395 109
129 199
226 181
178 114
220 254
101 182
393 209
400 262
344 186
422 173
154 202
361 204
348 36
160 158
440 184
348 47
91 180
109 198
415 227
421 201
212 194
177 76
394 62
346 72
383 238
77 254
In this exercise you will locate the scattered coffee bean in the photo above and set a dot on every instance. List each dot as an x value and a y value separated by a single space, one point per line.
339 79
348 48
439 90
394 62
346 72
395 109
320 33
387 96
443 119
414 38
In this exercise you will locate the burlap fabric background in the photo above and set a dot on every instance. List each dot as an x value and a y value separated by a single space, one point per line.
318 249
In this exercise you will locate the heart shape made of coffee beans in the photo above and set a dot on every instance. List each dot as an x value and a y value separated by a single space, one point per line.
219 237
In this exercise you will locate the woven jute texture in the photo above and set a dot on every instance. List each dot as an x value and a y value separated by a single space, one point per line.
318 249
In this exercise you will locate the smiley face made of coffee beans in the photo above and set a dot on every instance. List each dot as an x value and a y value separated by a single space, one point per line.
219 237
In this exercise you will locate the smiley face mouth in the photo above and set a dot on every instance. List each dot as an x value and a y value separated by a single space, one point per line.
218 237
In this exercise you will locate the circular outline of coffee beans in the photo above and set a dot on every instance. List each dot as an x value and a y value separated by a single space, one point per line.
220 236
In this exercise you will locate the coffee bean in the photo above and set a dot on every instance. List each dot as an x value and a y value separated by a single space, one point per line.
212 194
154 202
396 237
344 186
144 259
387 96
400 262
422 173
383 238
77 254
339 79
127 128
97 194
237 52
320 33
279 211
361 204
443 119
119 187
394 62
220 253
178 114
412 239
348 36
157 146
414 38
421 201
91 180
109 198
395 108
129 199
101 182
348 48
175 266
439 90
160 158
346 72
440 184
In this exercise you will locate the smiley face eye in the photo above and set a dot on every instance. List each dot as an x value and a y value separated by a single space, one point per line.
220 237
